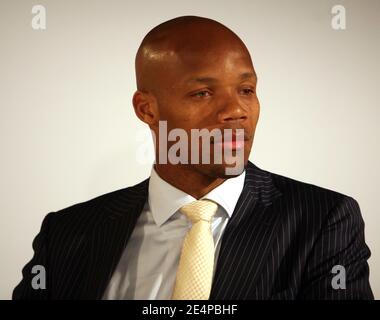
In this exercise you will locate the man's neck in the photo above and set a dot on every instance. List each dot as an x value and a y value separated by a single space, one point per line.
187 179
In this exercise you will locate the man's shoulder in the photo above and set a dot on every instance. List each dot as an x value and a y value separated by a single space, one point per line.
89 212
306 193
290 185
305 203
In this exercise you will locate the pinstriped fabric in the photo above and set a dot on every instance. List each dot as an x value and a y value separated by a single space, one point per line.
68 245
282 242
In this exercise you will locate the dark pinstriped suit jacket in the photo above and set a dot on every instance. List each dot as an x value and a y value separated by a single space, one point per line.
282 242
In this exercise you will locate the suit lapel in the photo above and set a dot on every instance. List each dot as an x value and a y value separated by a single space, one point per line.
108 240
248 237
245 243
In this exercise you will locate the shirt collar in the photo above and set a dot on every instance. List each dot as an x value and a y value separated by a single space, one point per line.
165 199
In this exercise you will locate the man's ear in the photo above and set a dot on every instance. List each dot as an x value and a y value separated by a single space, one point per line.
145 106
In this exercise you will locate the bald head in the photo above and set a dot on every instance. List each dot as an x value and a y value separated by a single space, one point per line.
194 72
177 41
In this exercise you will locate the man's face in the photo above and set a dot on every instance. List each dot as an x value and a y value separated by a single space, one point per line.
207 89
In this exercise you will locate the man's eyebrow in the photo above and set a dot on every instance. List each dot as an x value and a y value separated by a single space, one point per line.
248 75
202 80
208 80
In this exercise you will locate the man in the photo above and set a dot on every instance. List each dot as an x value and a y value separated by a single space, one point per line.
192 230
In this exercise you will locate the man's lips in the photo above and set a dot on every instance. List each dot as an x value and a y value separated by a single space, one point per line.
233 142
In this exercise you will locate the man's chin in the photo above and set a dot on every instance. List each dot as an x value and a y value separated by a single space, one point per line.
222 171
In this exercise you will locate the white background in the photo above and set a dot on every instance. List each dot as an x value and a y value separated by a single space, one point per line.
68 132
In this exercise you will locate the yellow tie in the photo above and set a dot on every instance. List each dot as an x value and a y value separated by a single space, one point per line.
196 264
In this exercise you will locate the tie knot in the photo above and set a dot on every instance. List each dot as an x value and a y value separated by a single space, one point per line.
200 210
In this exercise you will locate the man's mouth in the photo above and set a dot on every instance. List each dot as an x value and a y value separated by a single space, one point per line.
234 141
234 144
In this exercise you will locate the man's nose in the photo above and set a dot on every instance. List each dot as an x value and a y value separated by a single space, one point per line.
232 110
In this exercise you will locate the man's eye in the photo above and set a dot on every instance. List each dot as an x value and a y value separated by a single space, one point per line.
201 94
247 91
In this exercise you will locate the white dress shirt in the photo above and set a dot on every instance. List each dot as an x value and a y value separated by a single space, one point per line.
148 266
